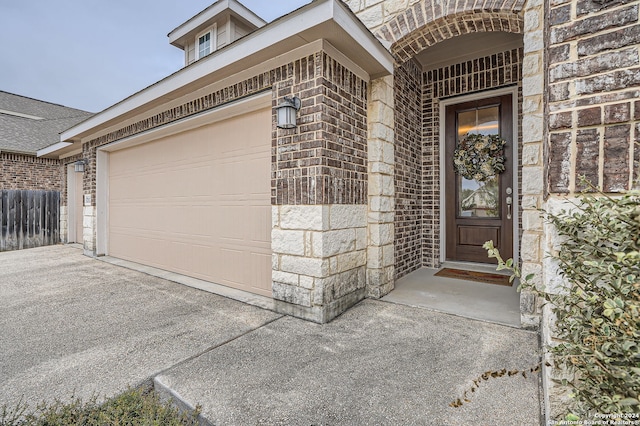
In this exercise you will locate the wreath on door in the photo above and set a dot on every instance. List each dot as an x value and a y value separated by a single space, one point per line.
480 157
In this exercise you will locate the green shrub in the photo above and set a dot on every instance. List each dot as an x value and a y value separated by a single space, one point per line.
598 313
134 407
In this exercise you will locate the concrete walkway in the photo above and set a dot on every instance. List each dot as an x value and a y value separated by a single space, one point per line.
72 324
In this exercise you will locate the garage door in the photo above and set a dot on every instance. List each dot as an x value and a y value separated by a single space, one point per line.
198 203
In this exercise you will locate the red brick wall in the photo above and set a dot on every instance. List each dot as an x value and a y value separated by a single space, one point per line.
28 172
594 84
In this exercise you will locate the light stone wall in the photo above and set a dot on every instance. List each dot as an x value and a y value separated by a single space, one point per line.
557 397
89 230
381 169
533 135
374 13
319 259
64 225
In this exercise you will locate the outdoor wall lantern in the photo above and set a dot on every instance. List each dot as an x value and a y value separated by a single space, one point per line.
287 112
79 166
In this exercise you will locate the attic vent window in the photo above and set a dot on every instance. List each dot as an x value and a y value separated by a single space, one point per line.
204 45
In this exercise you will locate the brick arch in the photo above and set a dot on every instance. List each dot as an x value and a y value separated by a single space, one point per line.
423 25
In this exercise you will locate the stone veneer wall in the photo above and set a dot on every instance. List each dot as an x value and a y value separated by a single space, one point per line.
28 172
593 120
319 257
381 170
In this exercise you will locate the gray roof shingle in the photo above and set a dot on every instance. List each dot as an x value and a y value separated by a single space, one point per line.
27 135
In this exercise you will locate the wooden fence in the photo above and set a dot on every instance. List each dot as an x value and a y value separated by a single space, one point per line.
29 219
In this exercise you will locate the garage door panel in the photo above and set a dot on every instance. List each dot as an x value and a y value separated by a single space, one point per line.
230 256
260 226
260 271
198 202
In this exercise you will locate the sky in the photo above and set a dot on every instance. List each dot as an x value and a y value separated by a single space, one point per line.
91 54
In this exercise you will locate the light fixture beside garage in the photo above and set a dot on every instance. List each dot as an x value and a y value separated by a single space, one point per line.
287 111
79 165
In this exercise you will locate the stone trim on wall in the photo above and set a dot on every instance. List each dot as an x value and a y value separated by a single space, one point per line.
64 198
381 217
319 259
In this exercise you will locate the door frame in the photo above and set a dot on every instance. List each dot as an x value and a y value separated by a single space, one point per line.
72 205
513 91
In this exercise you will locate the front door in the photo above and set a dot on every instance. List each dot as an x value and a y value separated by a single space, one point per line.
478 210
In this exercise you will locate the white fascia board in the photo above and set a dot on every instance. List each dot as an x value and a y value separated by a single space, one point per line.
290 27
197 20
363 36
52 148
247 14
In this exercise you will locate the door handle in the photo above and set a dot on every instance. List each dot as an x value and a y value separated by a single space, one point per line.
509 203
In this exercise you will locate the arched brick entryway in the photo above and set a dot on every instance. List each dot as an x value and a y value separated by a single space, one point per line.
410 31
426 23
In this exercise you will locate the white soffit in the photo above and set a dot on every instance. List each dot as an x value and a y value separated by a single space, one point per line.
322 19
56 147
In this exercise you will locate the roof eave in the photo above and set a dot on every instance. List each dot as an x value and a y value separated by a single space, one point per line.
56 150
328 19
211 12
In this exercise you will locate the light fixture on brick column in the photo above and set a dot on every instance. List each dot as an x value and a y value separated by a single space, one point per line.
287 111
79 165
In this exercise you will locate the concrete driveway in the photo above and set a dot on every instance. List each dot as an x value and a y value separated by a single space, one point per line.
73 325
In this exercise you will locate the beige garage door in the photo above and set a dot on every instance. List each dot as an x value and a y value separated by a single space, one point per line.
198 203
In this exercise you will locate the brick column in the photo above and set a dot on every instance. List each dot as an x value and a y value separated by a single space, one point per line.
319 226
381 217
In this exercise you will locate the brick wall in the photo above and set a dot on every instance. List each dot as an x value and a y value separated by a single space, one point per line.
594 84
28 172
486 73
324 159
417 176
408 170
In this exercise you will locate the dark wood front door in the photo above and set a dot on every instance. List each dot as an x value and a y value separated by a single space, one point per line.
477 211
